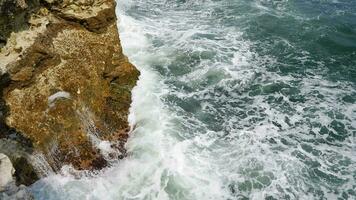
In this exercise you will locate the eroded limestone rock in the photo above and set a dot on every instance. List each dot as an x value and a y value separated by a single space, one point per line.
66 85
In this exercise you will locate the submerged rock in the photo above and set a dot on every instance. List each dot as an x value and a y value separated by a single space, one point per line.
66 85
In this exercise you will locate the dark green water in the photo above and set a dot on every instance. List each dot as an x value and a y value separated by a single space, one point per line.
238 99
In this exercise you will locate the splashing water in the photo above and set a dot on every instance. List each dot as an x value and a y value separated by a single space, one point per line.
237 99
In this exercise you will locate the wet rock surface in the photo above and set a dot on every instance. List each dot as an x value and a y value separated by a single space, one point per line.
6 171
8 188
66 86
22 160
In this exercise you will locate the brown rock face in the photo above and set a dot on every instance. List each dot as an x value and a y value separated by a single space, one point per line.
66 84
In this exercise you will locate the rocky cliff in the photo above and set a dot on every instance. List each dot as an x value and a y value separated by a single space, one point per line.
65 85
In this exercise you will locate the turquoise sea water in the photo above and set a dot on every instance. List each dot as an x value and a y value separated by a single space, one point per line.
238 99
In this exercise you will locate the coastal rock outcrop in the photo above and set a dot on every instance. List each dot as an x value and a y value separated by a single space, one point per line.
65 85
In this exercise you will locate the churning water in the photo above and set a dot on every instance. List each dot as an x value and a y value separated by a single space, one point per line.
237 99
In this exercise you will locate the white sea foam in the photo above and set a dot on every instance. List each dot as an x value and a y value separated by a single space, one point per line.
57 95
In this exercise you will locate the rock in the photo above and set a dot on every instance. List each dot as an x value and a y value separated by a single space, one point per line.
21 3
6 171
21 158
66 86
8 188
14 16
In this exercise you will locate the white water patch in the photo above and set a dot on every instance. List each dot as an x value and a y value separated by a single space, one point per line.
41 166
56 96
87 120
175 173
